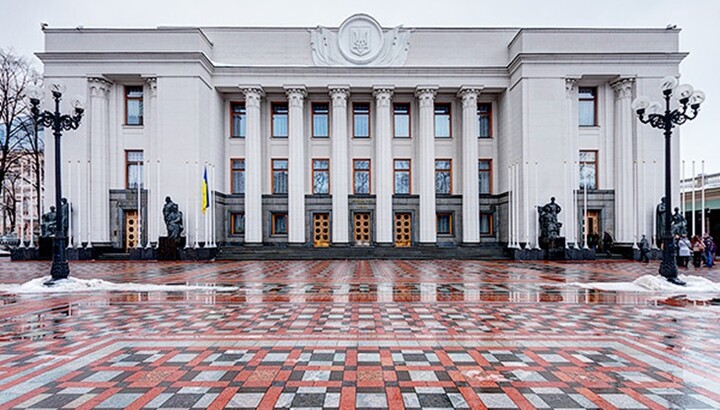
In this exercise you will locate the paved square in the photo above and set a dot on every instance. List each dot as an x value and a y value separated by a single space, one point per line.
358 334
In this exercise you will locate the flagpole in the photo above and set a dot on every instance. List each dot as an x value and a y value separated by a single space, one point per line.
158 201
79 202
31 212
69 216
212 208
197 211
635 205
702 197
694 178
654 218
537 205
89 199
19 221
187 204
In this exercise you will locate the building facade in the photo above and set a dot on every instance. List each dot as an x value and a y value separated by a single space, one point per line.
360 135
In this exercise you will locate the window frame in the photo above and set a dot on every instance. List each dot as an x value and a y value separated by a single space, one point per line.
354 104
232 119
444 170
314 170
491 222
273 217
597 169
449 115
595 105
451 231
232 175
409 171
272 173
369 171
127 168
126 89
312 119
409 117
490 120
489 171
273 105
233 223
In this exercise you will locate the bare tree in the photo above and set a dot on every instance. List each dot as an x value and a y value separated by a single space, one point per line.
16 74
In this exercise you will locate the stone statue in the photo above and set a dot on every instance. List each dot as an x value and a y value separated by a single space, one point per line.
65 209
173 218
679 224
47 224
549 225
660 222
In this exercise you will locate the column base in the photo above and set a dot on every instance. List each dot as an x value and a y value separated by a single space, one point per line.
384 244
427 244
470 244
340 244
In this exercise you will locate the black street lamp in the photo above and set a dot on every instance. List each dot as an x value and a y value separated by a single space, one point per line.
58 122
687 97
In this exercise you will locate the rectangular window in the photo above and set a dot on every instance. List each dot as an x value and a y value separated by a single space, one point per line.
401 120
280 176
442 121
237 120
587 106
361 120
279 223
402 176
443 178
279 120
588 169
486 223
134 105
321 176
320 118
484 112
134 169
237 177
237 223
485 176
361 176
444 224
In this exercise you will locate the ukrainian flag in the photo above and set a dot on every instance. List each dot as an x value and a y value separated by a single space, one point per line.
205 193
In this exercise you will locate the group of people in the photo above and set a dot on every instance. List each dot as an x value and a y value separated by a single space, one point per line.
702 250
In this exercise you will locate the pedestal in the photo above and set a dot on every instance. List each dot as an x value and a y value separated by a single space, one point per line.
45 245
554 248
169 248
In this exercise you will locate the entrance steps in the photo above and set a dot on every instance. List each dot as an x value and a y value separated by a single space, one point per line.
358 252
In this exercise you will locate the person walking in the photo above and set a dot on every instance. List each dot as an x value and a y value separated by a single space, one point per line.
709 250
698 250
644 248
607 242
684 251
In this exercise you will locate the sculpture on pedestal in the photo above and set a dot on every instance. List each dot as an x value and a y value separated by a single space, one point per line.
65 209
173 218
659 222
47 224
679 224
549 225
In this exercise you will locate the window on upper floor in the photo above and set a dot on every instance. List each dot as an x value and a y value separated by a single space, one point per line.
588 169
484 112
237 120
442 121
134 169
587 106
361 176
320 120
279 120
134 105
485 176
402 176
443 176
237 177
321 176
361 120
401 120
280 176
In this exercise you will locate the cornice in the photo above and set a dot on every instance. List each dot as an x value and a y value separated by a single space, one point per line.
600 58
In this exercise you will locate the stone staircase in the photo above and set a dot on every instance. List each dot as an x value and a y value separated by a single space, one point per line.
358 252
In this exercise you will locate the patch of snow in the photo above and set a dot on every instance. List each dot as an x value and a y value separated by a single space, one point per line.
92 285
704 312
656 284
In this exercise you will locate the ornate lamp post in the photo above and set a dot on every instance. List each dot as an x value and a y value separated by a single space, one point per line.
58 122
689 100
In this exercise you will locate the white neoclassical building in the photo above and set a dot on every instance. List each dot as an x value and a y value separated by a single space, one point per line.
360 135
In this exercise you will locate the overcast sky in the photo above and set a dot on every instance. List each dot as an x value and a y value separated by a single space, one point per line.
699 20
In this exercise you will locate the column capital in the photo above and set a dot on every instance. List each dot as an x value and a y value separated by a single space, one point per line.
253 94
426 95
571 86
339 95
99 87
469 94
152 85
623 87
295 94
383 94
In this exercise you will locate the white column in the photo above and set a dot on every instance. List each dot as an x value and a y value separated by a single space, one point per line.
470 189
702 197
100 159
152 205
692 217
383 165
88 217
572 182
71 205
510 208
426 164
339 165
253 165
296 164
20 219
624 182
81 210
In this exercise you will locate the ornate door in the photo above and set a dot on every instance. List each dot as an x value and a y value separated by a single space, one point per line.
593 222
131 230
361 229
321 230
403 229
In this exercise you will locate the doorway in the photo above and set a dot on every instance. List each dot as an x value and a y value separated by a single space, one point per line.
403 229
321 230
131 230
361 228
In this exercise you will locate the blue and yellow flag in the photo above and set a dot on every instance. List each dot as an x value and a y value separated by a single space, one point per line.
205 193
